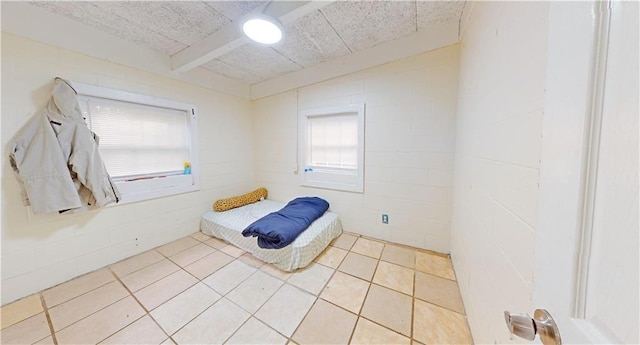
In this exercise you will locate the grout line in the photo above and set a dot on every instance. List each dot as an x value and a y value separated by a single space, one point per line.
82 294
191 274
157 324
93 312
120 329
178 252
242 324
195 317
135 299
129 291
316 297
133 256
413 304
48 317
212 289
305 315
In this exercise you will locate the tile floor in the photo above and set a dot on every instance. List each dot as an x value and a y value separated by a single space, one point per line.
200 290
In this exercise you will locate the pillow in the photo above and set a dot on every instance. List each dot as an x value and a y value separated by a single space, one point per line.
241 200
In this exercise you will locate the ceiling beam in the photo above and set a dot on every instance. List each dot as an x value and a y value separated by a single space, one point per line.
434 36
230 37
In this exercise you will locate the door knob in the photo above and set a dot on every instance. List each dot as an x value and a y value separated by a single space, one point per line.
541 324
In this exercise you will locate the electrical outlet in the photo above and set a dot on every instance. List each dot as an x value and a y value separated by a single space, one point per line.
385 218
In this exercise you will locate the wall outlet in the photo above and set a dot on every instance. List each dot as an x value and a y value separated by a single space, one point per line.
385 218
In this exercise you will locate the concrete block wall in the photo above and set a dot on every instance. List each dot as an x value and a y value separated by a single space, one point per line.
496 170
44 250
409 147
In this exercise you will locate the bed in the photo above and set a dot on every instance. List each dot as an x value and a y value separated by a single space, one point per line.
228 225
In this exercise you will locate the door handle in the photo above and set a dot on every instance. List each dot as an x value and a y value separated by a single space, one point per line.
541 324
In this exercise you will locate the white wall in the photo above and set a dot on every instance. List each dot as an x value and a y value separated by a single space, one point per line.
498 132
44 250
409 144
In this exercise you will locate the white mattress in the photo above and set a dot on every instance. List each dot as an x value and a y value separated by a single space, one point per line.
228 225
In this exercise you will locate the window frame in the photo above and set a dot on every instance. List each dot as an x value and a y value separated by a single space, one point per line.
151 186
341 179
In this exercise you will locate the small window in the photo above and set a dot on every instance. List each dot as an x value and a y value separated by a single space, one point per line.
148 144
332 149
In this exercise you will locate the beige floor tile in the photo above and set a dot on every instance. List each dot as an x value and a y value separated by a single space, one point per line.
135 263
255 332
177 312
368 247
312 278
102 324
26 331
251 260
331 257
359 265
143 331
208 264
345 241
346 291
276 272
148 275
200 236
394 277
228 277
216 243
285 309
434 264
20 310
388 308
214 325
164 289
168 341
77 287
175 247
191 255
46 341
82 306
325 324
399 256
440 291
292 343
436 325
253 292
368 332
233 251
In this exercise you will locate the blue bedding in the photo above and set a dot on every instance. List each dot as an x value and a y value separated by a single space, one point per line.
278 229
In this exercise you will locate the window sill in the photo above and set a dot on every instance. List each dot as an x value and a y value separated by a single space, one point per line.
346 182
141 190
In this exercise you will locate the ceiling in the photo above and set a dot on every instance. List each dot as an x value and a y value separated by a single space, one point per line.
205 33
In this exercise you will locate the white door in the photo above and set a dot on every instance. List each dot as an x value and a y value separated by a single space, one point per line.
586 269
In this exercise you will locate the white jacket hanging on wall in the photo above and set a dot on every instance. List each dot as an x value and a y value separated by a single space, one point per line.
56 158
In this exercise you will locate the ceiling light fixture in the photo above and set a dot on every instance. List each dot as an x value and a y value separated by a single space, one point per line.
263 29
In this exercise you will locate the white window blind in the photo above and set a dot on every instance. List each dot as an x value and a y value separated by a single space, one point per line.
137 139
332 147
144 141
333 141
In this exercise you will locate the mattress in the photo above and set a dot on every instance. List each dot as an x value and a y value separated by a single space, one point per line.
228 225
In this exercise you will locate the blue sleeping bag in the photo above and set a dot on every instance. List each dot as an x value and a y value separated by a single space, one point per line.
278 229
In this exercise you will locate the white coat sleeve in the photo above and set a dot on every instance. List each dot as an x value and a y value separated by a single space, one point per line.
38 161
86 162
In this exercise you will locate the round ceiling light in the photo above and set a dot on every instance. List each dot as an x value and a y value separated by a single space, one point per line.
265 30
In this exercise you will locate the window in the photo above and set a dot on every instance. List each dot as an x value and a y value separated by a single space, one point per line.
332 147
145 142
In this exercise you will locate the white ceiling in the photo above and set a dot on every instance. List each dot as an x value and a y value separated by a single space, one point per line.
205 33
